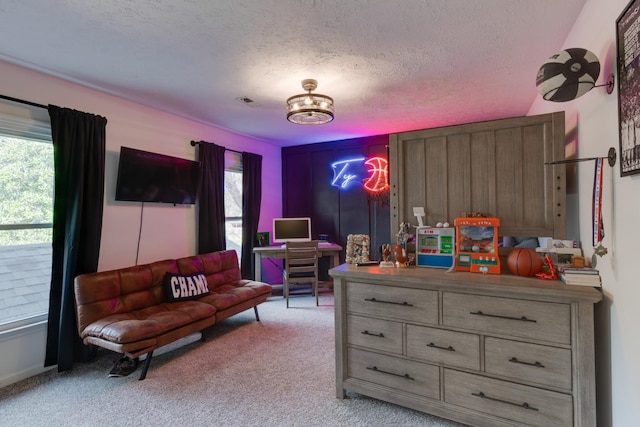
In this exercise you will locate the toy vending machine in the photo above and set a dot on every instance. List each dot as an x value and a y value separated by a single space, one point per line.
477 245
435 247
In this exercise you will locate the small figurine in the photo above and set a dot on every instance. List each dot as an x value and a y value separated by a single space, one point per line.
403 234
386 255
400 255
386 252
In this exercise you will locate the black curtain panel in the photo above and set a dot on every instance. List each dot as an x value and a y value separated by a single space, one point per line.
251 196
211 235
78 156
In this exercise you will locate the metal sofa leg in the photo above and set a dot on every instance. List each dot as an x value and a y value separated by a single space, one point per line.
145 368
255 309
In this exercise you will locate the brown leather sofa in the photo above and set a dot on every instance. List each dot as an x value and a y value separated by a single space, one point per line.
128 310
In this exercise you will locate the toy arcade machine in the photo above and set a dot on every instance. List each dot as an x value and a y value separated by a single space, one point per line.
477 245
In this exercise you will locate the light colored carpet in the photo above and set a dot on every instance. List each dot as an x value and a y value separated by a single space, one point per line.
277 372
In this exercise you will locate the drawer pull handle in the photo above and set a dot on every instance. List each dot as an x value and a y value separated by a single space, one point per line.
375 368
522 319
536 363
381 335
432 345
524 405
406 304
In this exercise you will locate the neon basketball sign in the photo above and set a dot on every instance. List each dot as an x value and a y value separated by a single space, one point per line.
372 173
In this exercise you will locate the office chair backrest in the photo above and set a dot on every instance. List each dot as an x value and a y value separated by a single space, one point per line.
301 257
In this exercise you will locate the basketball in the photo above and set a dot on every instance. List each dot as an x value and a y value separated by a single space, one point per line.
524 262
567 75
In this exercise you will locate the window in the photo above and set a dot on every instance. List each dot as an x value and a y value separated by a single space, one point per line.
26 218
233 201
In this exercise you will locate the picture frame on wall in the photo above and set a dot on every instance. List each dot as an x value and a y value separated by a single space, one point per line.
628 64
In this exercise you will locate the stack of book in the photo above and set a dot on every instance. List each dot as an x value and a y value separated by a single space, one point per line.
580 276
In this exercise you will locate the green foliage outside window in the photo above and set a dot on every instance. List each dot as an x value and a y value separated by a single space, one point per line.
26 190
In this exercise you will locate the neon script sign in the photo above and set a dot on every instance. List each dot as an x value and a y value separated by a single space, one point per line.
371 173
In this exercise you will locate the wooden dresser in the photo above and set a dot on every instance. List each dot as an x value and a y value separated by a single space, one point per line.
486 350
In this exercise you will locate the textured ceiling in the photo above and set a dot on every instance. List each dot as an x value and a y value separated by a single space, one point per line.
390 65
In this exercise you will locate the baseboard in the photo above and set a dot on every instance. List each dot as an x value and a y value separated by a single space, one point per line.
23 375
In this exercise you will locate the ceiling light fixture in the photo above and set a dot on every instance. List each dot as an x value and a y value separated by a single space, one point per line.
310 108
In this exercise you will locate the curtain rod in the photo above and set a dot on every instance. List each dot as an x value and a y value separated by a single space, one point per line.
22 101
194 143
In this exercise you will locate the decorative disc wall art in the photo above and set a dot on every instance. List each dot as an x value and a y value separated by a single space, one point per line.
568 75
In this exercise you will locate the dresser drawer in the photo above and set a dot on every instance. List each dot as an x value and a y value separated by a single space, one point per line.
389 371
417 305
375 334
528 362
443 347
526 405
519 318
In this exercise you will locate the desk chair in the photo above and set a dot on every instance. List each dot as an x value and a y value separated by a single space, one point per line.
300 266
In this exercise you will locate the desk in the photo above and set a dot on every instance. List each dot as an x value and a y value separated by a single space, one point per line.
333 250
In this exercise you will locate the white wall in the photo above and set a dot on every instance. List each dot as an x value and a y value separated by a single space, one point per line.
167 231
594 119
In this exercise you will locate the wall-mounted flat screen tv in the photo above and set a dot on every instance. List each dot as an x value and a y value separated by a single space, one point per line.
151 177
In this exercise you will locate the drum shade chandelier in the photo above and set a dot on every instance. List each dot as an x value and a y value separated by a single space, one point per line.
310 108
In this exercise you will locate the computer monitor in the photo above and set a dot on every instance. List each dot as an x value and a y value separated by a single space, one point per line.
291 230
